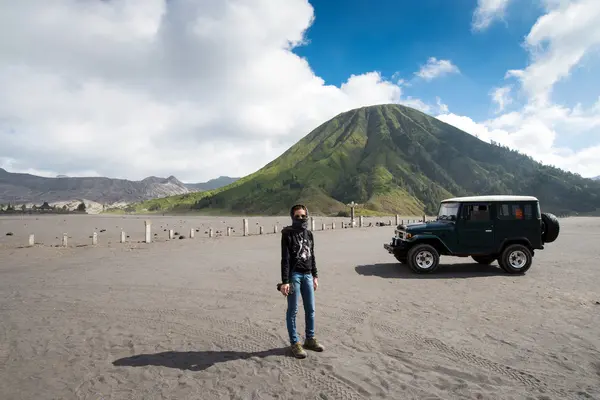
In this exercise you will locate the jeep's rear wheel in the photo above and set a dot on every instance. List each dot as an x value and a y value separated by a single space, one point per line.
516 259
484 259
550 227
423 258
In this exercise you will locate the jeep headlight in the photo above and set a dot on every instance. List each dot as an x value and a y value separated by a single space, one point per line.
402 235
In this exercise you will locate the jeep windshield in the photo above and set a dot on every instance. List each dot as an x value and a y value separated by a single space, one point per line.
448 211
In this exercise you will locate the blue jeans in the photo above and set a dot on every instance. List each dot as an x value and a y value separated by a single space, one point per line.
301 285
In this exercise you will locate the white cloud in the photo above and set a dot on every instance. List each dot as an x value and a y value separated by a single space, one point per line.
131 88
486 12
435 68
557 42
501 96
442 108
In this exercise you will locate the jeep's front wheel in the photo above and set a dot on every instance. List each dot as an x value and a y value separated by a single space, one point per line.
487 260
516 259
423 258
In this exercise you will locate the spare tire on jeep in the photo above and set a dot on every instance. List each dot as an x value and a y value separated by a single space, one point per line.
550 227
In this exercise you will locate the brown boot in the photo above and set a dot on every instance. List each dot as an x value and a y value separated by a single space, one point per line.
313 344
298 351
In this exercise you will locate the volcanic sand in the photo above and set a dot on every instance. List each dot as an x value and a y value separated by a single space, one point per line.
201 319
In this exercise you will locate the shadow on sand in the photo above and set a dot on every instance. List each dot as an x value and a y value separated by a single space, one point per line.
194 360
444 271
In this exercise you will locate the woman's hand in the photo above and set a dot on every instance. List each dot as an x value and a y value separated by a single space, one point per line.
285 289
315 283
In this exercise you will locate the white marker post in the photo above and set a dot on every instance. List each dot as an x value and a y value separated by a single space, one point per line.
148 225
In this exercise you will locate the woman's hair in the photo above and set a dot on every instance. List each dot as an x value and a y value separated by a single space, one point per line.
298 207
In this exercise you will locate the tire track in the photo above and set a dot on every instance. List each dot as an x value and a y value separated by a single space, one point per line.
326 385
454 354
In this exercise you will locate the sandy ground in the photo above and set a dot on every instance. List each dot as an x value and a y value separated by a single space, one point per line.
201 319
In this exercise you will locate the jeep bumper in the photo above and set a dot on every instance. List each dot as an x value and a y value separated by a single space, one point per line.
396 246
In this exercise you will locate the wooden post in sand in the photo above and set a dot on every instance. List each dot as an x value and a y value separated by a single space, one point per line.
361 221
94 238
352 205
31 240
123 237
275 229
343 225
397 220
260 230
333 225
245 227
323 227
192 233
424 218
65 240
210 232
170 233
312 223
148 237
228 231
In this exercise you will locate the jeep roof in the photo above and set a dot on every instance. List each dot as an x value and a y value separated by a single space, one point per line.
490 198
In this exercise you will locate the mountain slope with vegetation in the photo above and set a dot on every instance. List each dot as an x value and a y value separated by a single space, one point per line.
391 159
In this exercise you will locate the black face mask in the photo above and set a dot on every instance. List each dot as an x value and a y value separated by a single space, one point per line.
300 222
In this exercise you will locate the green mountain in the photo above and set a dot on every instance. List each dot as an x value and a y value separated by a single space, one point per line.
392 159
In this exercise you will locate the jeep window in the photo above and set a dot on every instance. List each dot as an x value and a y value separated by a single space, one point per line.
448 211
517 211
476 212
504 211
511 212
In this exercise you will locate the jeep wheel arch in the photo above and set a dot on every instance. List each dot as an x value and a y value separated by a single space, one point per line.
516 240
401 258
434 242
550 227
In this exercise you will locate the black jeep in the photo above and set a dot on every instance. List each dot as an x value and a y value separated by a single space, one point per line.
487 228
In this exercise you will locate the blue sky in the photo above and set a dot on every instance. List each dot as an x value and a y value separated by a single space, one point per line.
354 36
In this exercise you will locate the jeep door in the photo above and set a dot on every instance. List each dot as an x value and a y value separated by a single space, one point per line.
475 229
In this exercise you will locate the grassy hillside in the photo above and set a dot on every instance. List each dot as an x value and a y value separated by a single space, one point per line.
391 159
